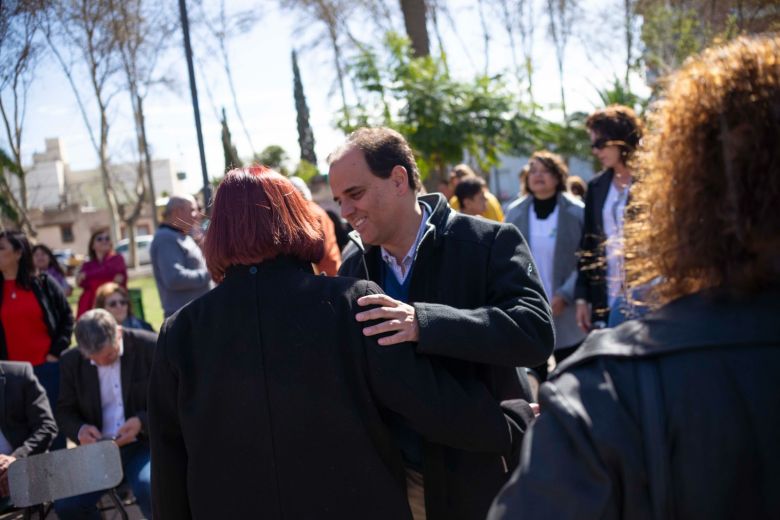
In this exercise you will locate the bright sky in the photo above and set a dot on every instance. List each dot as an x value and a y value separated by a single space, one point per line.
263 76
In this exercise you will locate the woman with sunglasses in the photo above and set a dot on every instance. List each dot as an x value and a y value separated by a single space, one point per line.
615 132
104 265
35 318
114 298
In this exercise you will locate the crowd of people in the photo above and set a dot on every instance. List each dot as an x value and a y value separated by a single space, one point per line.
391 376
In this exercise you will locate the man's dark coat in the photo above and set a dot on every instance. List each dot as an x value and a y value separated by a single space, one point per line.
79 401
482 312
266 401
25 414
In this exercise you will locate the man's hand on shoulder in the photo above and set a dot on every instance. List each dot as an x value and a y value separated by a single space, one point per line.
400 318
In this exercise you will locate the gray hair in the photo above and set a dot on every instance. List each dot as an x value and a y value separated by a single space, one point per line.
301 186
94 330
177 201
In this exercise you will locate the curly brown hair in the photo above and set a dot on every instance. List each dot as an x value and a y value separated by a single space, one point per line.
703 211
554 164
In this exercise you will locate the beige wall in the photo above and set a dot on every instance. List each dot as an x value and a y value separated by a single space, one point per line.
82 223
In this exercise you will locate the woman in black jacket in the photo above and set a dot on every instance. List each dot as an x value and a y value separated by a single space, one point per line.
266 400
677 415
615 132
36 321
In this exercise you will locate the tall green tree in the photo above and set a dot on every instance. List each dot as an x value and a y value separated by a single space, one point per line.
275 157
228 148
305 133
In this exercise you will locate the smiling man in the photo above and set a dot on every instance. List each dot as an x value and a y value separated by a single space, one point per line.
463 289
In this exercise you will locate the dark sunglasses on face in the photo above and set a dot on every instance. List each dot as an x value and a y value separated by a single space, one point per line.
116 303
103 238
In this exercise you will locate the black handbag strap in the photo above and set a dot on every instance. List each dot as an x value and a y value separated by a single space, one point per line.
655 440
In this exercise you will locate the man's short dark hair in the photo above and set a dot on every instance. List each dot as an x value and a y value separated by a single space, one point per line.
468 187
383 149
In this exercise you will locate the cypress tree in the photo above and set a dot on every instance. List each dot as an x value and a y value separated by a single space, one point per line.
228 148
305 134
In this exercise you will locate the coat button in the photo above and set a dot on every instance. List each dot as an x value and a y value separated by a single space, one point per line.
253 270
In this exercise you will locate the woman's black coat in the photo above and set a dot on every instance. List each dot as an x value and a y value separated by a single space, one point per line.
266 401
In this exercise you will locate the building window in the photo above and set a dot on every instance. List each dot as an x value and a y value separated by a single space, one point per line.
66 233
143 229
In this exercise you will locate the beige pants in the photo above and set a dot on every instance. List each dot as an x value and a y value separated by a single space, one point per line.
415 493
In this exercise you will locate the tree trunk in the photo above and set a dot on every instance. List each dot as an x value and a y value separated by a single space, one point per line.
415 21
147 158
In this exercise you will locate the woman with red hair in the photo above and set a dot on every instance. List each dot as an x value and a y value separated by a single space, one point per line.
266 400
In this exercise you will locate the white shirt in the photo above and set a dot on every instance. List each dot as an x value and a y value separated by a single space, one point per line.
612 215
541 238
111 401
401 271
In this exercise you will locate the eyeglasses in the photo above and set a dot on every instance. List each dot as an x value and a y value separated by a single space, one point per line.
116 303
603 142
103 238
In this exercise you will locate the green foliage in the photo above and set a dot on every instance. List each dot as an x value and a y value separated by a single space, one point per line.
670 35
7 209
441 117
620 94
306 170
275 157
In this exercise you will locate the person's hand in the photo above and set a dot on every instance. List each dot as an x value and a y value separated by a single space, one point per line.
89 434
583 315
80 277
5 463
120 278
128 432
51 358
399 316
535 408
558 304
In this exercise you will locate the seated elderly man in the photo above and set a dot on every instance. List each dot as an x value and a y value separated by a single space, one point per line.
27 426
103 387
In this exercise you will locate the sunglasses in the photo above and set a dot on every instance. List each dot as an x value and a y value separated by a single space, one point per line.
603 142
116 303
103 238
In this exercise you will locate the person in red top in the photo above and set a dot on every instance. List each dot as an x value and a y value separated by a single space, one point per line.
104 265
35 319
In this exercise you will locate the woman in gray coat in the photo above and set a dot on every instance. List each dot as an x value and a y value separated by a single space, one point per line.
551 221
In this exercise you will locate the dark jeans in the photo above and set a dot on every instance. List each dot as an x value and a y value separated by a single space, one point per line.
135 462
48 375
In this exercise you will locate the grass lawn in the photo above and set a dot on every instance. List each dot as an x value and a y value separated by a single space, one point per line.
152 308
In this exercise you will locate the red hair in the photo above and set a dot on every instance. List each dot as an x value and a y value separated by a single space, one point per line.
258 215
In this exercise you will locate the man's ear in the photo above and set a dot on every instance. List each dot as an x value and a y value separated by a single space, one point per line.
400 178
